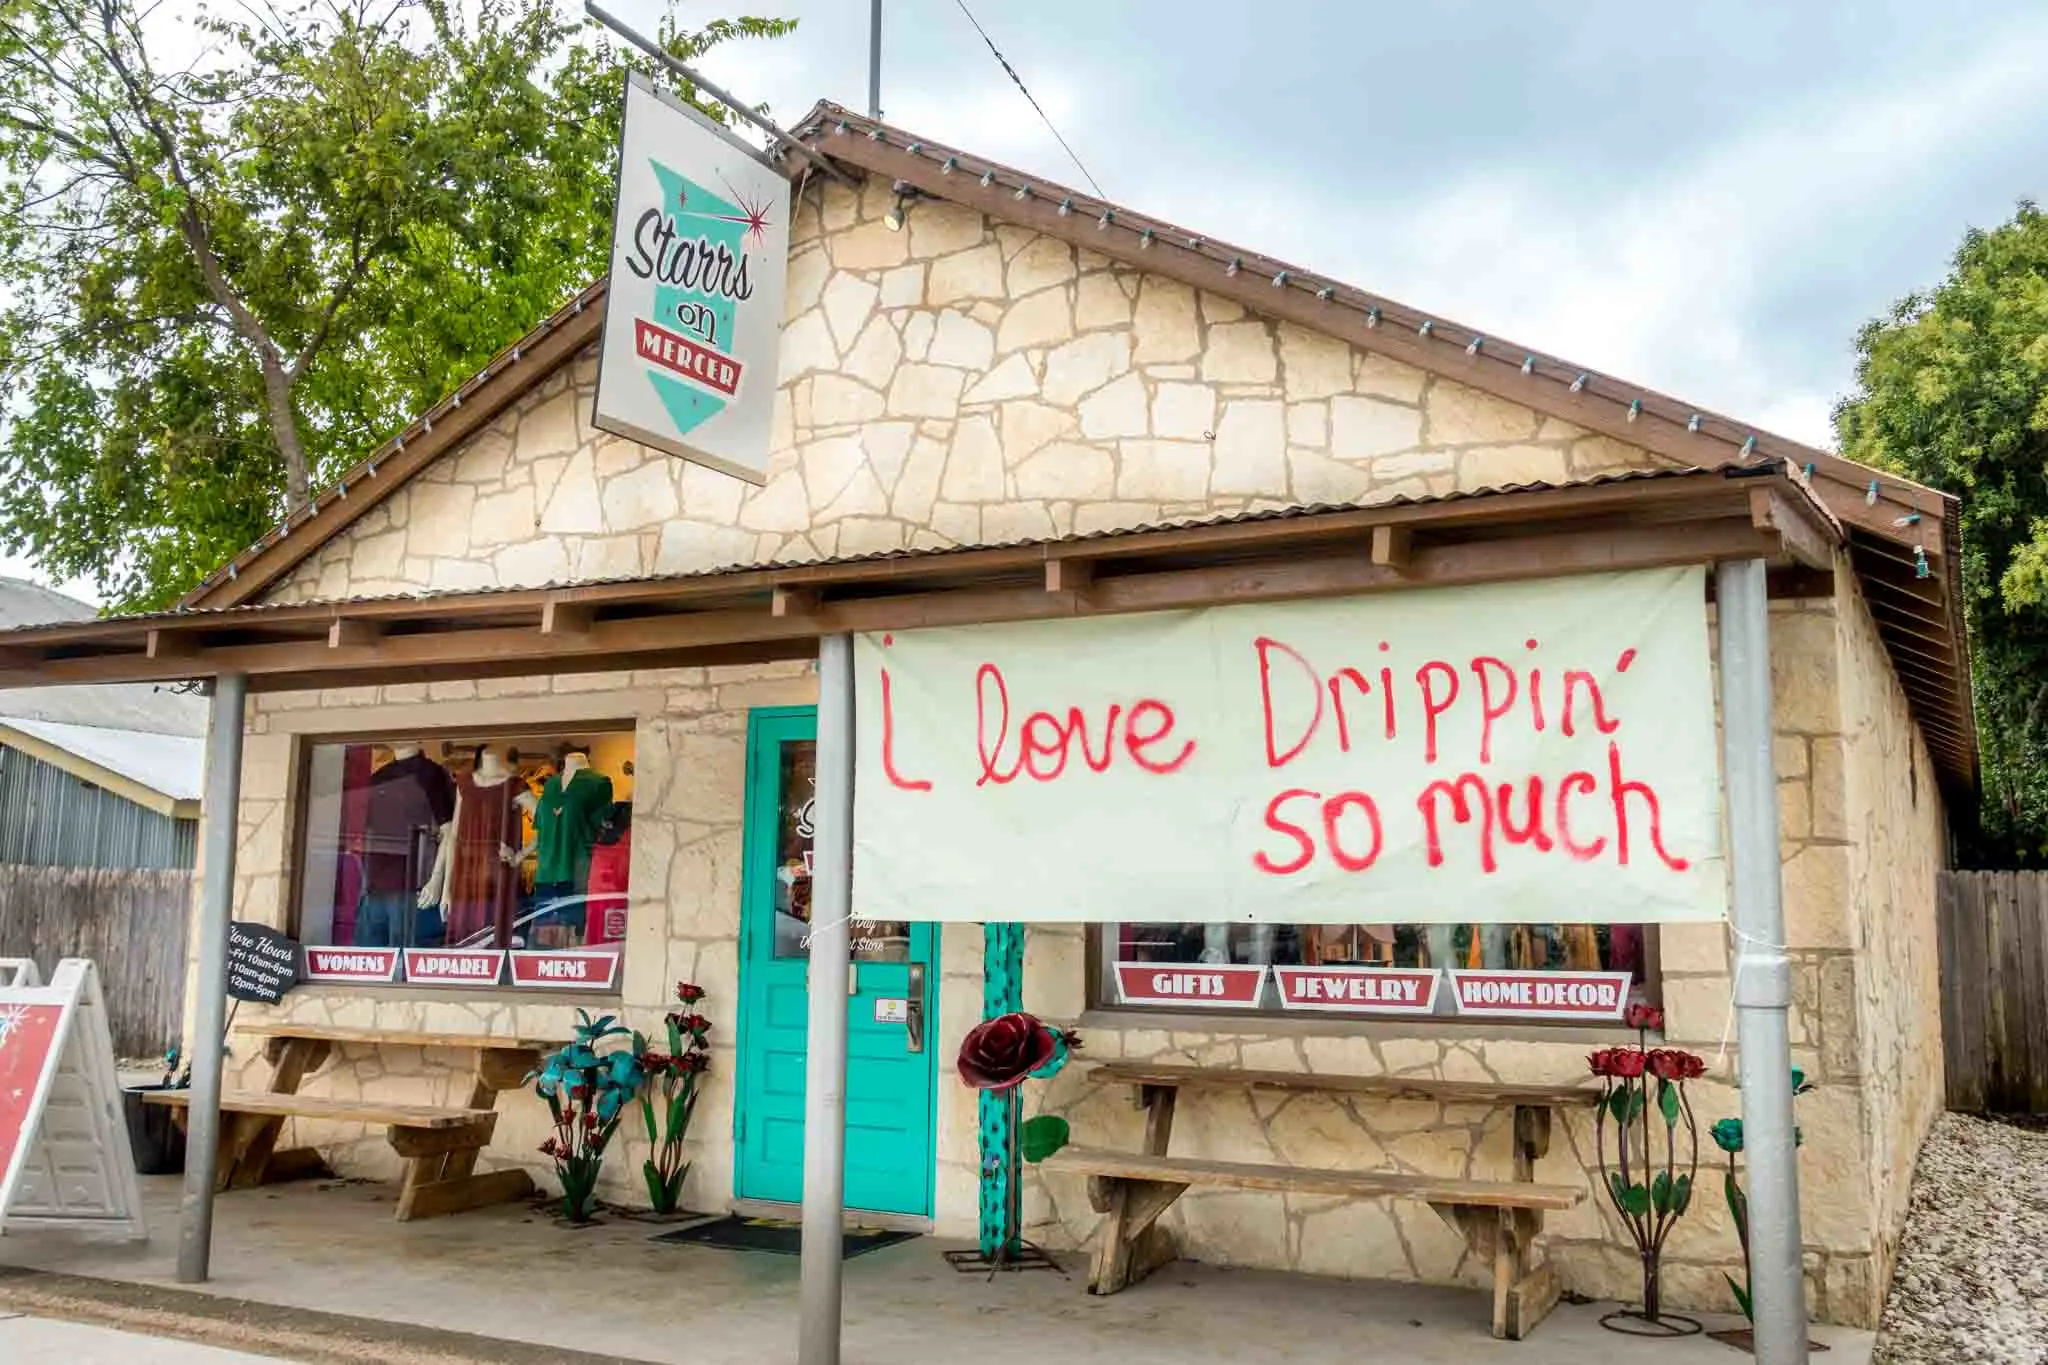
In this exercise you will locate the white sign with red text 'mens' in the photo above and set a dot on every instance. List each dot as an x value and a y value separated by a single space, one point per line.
1538 752
693 310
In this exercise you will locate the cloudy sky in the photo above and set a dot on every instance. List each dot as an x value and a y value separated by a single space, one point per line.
1709 205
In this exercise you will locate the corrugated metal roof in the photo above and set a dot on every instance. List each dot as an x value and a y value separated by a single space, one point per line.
168 764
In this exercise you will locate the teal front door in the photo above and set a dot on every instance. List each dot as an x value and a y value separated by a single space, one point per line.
890 1062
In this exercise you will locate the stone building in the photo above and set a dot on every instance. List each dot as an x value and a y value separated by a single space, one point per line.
1002 372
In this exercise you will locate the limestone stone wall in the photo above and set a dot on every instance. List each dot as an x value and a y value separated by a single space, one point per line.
956 383
1892 815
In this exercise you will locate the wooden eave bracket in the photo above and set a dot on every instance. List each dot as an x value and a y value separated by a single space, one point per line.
1393 547
1069 575
1804 539
561 618
793 602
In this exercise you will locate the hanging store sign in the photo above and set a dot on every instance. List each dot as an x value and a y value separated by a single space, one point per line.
453 966
1189 984
1545 750
351 964
1540 995
1358 990
693 310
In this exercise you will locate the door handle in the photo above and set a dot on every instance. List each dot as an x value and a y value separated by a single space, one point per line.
913 1013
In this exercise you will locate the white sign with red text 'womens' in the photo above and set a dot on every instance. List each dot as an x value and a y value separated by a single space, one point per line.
1539 752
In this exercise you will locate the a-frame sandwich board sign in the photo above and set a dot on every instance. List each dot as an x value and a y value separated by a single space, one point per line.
65 1161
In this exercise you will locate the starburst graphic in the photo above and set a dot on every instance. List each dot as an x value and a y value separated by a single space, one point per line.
11 1018
753 212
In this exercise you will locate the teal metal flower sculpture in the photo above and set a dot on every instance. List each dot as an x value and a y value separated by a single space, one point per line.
586 1092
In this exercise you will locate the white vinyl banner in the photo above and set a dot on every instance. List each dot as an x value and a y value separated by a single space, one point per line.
693 312
1538 752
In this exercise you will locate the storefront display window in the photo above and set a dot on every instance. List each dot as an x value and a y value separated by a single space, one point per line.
1552 971
467 861
872 941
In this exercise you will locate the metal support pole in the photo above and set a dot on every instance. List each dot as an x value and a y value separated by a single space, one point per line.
875 62
688 73
1763 977
825 1059
221 814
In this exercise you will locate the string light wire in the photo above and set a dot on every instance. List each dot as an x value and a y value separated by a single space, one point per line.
1018 81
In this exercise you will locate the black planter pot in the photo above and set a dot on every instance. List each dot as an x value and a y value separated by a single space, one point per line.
153 1132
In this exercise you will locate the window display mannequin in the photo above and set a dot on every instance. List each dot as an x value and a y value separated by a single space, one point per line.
475 880
410 816
611 864
572 807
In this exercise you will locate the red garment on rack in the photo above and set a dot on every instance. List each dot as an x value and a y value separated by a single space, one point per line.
482 889
609 867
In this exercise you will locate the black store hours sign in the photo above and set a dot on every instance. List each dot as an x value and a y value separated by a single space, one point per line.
262 963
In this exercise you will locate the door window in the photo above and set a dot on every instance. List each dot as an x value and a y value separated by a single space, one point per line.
795 839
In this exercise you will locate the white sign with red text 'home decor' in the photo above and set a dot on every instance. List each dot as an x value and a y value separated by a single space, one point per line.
1536 752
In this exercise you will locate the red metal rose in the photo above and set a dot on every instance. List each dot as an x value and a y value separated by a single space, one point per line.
1626 1062
1000 1052
1671 1064
693 1061
689 992
1601 1063
1641 1016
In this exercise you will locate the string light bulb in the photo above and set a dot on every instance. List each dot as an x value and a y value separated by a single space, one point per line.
1579 384
1108 217
1066 206
1145 239
1236 264
1326 293
1528 364
947 166
1372 316
1280 280
1748 447
1635 408
1693 422
1472 346
1022 192
1921 568
1870 494
987 178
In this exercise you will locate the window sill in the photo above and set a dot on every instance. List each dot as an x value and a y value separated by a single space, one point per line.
406 991
1301 1025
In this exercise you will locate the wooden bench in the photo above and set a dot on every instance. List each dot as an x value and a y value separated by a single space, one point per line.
440 1143
1499 1219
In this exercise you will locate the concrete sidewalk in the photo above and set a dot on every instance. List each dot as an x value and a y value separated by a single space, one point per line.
39 1341
609 1292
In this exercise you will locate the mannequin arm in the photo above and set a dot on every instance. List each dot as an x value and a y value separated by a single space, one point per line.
526 801
439 883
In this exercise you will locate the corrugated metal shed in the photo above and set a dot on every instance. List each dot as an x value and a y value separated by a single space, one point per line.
49 817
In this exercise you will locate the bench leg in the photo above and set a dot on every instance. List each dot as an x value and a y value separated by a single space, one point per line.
1504 1239
1129 1247
438 1171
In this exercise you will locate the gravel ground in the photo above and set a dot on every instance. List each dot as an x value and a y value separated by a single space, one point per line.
1972 1280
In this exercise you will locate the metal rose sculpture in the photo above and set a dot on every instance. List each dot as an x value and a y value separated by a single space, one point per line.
999 1054
1648 1181
673 1078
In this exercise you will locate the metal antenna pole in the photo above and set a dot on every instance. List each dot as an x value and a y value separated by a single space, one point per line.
875 62
761 121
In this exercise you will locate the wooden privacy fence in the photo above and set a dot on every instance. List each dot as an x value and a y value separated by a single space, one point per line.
1994 991
130 921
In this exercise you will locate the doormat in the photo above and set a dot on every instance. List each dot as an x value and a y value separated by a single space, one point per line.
781 1236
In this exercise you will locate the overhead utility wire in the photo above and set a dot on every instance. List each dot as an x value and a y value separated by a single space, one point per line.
1019 81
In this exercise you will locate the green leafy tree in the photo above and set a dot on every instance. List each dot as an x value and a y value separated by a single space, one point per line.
1952 390
225 281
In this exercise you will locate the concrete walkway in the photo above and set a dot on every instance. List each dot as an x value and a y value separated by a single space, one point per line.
39 1341
294 1253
